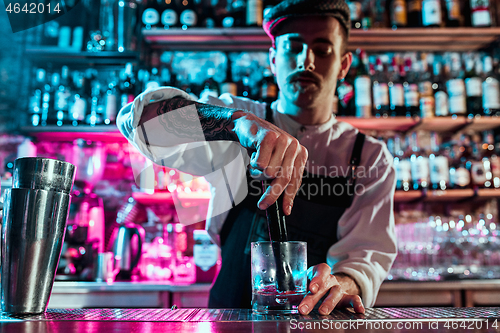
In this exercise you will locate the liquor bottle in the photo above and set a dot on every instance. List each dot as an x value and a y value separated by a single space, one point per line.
47 102
236 14
96 105
398 14
244 88
473 88
187 13
402 165
491 89
168 14
431 13
111 100
380 91
50 33
491 153
254 13
419 164
151 77
441 108
466 13
414 13
480 13
229 86
480 169
367 16
425 74
460 164
127 85
268 87
345 90
396 90
379 13
456 87
150 15
210 86
438 165
78 104
356 13
362 88
453 13
220 11
206 13
61 97
35 100
206 256
412 96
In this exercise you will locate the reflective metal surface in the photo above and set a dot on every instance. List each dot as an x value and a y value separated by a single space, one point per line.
244 315
43 174
32 237
36 210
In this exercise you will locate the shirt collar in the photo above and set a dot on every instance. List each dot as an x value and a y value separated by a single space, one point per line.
293 127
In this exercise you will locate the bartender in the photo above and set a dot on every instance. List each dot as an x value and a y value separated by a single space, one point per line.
344 209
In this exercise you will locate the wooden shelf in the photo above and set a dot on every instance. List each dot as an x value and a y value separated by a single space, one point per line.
105 133
423 39
402 124
484 123
407 196
442 124
153 199
44 54
446 195
373 40
449 195
488 193
185 199
437 124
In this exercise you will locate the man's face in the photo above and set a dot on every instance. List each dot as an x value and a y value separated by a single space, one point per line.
307 60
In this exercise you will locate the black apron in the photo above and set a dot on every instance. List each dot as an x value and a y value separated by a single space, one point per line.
314 219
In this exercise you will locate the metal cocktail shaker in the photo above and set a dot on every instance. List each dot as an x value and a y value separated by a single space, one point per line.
35 214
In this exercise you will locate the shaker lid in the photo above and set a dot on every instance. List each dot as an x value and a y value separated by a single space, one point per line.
43 173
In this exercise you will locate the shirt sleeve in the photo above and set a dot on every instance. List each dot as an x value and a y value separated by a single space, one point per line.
367 242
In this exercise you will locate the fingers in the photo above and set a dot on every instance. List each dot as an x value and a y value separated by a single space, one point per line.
352 301
334 297
277 155
322 282
285 163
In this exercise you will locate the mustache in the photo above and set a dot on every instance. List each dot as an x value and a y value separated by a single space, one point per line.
304 75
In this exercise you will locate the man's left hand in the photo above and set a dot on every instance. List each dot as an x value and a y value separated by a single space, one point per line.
323 282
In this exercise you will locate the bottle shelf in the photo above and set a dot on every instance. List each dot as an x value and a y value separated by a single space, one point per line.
110 133
450 195
164 197
196 198
437 124
104 133
44 54
373 40
401 124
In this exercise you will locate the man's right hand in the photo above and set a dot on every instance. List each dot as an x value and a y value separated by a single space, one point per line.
275 154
